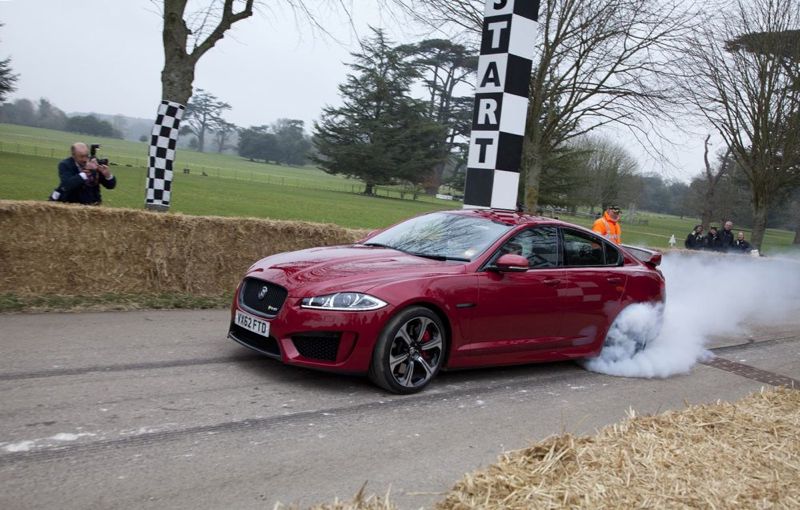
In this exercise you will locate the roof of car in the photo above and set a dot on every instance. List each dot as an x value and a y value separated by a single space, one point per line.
505 216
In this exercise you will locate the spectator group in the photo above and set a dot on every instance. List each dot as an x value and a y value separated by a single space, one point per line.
717 240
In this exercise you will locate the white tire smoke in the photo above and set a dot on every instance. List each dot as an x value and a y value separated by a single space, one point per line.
706 295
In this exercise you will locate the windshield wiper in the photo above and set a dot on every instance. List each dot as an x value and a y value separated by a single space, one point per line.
436 257
378 245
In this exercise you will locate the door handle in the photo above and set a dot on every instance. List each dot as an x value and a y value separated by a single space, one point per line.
614 280
551 282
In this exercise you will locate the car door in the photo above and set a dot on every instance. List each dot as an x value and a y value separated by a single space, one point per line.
594 282
520 311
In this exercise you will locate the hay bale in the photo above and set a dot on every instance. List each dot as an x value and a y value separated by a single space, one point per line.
744 454
65 249
725 455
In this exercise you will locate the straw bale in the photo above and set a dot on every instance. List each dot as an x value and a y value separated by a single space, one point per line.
64 249
744 454
725 455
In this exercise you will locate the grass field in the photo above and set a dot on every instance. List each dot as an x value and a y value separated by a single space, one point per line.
25 177
238 187
55 144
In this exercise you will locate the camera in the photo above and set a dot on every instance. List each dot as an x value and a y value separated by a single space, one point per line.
93 154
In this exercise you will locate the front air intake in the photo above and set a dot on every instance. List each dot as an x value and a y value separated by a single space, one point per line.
319 346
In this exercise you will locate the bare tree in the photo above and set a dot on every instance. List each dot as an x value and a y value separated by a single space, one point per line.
187 37
606 171
712 178
188 34
597 63
751 97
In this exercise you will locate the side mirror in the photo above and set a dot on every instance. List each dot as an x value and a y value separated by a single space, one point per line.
510 263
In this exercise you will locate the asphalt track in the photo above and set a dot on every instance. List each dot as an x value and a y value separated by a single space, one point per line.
158 410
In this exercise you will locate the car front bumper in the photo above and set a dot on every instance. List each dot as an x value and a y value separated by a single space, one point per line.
320 339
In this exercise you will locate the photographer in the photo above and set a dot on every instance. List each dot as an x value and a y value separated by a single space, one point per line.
81 177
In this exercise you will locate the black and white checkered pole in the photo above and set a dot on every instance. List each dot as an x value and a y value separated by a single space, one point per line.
501 103
163 141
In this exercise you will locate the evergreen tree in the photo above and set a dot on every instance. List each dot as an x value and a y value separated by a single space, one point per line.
91 125
381 134
203 115
50 117
444 65
256 142
292 142
7 78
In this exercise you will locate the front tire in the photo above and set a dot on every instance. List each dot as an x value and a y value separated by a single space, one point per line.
409 352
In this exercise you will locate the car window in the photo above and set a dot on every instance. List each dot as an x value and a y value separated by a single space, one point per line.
613 256
582 249
538 245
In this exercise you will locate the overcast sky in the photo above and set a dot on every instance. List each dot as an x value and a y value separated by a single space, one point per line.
105 56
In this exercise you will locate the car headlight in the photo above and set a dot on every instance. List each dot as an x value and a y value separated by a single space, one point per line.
346 301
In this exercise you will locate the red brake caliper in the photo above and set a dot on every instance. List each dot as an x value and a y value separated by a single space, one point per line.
426 336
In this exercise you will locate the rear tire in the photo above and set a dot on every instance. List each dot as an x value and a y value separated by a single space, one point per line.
409 352
629 335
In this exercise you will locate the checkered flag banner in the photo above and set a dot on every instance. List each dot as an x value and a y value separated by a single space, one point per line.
163 141
501 103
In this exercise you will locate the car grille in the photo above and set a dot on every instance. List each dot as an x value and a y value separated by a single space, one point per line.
321 346
264 345
269 305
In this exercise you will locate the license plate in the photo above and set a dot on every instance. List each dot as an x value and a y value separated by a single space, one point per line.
250 323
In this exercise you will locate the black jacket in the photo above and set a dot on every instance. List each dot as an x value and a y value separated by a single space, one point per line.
695 241
741 246
74 189
713 242
726 240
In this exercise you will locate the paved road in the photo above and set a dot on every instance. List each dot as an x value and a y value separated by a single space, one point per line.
159 410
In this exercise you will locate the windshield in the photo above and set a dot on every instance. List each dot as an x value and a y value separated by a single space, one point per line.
442 236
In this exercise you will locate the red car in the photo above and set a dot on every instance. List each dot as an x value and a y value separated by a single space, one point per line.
456 289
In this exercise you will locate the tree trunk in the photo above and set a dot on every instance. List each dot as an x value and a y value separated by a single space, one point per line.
532 171
369 189
795 208
432 187
532 144
706 215
177 75
201 140
759 224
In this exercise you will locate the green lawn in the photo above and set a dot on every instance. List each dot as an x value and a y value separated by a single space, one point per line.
238 187
55 144
25 177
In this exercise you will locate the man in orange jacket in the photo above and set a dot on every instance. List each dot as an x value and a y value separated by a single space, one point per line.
608 225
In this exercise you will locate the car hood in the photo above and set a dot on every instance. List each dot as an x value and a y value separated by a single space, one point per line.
346 268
